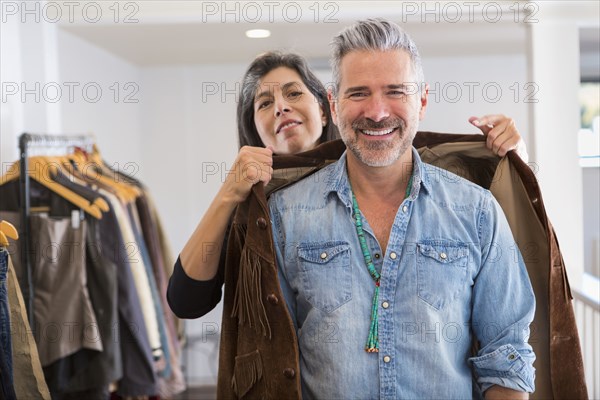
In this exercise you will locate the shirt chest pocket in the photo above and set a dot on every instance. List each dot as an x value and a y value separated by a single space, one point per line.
441 271
326 274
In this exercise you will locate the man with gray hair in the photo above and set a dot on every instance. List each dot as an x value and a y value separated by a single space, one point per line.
389 267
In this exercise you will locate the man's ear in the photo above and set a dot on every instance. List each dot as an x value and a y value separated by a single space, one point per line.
332 105
424 100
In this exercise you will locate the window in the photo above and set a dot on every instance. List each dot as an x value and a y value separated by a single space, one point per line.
589 134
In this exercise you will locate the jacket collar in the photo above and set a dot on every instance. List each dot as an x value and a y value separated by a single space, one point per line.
331 151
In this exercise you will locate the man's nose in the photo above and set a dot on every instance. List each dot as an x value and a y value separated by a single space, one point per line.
376 109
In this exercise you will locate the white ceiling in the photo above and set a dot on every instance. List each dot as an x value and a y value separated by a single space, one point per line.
194 32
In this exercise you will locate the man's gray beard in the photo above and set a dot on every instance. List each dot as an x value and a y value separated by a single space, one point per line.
376 154
379 153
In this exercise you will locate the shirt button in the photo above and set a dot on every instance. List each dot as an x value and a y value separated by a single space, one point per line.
385 304
511 356
272 298
261 223
443 256
387 359
289 373
393 255
404 208
377 255
323 256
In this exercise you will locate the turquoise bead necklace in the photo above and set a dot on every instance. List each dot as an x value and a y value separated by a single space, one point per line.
372 345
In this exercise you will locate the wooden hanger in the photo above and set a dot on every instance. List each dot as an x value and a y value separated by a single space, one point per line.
127 193
11 174
38 164
66 176
41 170
96 158
92 173
7 229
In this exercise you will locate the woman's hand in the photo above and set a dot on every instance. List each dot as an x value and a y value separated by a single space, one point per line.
200 255
251 166
502 134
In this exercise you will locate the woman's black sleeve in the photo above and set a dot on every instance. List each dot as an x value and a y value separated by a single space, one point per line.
190 298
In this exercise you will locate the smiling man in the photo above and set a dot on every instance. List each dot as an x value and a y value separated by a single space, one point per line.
390 267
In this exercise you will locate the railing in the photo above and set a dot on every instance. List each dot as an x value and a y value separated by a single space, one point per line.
587 315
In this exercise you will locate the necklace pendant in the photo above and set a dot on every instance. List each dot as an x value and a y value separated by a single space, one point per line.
372 345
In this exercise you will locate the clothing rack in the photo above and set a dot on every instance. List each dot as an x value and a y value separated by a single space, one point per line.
32 145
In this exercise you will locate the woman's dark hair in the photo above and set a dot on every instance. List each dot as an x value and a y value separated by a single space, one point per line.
261 66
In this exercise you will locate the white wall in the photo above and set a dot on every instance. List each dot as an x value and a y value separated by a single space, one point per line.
185 137
106 101
189 143
556 123
11 108
67 86
475 86
23 75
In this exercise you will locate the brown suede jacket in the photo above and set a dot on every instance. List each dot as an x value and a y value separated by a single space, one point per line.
259 356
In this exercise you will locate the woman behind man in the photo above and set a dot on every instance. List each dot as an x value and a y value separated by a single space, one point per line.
282 109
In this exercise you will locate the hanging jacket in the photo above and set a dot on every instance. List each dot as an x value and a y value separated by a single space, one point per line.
259 357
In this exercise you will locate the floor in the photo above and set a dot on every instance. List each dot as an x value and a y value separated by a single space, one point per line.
198 393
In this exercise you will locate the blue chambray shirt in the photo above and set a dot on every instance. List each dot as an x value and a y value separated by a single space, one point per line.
451 272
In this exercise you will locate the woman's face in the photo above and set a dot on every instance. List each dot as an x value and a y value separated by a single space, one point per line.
288 117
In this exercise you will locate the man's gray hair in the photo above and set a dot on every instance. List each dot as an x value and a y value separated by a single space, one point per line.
374 35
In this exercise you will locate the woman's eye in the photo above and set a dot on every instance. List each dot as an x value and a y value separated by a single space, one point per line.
294 94
264 104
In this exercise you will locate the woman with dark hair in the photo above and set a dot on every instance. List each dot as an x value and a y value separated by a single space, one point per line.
282 109
257 72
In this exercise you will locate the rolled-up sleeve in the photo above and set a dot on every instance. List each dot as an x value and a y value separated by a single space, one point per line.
506 367
503 307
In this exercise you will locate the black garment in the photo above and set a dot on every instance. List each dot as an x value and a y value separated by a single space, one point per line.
59 374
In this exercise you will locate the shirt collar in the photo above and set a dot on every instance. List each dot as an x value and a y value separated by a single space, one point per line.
337 179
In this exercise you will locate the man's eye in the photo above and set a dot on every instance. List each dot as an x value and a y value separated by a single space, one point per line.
397 93
357 95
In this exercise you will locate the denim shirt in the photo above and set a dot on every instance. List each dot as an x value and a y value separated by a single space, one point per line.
451 273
